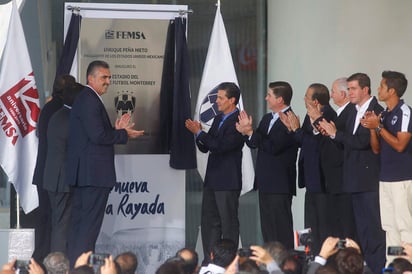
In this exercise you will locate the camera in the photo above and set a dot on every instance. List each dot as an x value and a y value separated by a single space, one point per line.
303 237
22 266
396 250
244 252
341 244
98 258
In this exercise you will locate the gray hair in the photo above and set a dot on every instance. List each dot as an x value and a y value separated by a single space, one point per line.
342 84
56 263
276 250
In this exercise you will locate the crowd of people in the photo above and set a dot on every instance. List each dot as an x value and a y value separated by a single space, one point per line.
225 258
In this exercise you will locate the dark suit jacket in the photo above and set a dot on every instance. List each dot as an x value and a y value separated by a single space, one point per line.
310 175
57 134
47 111
360 164
90 157
331 154
224 165
275 170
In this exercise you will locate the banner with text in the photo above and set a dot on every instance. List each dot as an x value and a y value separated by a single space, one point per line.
145 211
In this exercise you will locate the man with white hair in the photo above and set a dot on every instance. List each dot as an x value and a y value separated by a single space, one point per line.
339 207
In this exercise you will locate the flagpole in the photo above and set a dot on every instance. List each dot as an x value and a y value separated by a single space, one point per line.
17 211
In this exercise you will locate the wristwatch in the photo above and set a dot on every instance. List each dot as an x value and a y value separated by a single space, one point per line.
379 128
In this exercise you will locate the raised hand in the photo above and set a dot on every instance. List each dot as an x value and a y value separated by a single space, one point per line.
193 126
83 259
352 243
313 112
123 121
329 247
370 120
109 267
285 120
294 120
327 128
260 255
244 125
35 268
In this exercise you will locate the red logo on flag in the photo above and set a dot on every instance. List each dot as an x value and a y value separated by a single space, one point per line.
21 105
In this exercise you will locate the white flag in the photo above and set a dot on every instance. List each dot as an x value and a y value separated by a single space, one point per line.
19 111
219 68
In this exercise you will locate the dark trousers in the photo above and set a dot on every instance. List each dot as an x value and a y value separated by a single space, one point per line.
61 204
316 218
86 219
368 224
276 220
219 219
42 226
342 217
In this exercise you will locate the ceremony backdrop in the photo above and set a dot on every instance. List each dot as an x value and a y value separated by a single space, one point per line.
146 208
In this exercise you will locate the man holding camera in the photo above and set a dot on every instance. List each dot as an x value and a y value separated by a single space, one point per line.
350 261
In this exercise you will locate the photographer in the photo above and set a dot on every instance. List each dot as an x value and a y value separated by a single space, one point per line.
256 254
407 248
222 255
348 257
262 256
104 261
31 267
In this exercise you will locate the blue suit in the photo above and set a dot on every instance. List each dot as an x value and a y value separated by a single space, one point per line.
89 169
223 182
275 177
224 165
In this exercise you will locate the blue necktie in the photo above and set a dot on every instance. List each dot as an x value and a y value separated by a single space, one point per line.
272 122
221 123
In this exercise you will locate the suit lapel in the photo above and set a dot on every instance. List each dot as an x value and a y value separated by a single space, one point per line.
276 125
102 106
215 125
228 120
266 122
